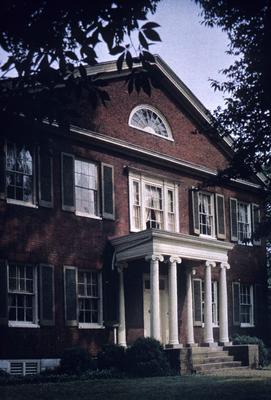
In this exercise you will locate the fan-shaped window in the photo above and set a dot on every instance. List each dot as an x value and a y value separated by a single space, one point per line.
150 120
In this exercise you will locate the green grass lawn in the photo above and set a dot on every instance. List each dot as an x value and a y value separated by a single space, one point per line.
224 385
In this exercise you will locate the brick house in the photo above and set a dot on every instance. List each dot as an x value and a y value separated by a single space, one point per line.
107 233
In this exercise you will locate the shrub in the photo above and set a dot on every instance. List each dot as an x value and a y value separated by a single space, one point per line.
146 358
263 352
111 356
75 361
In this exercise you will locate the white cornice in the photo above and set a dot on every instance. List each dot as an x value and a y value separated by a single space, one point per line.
152 155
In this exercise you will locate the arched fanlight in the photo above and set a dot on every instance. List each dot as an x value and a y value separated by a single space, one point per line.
150 120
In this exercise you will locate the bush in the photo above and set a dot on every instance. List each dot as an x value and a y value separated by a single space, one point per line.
75 361
146 358
263 352
111 356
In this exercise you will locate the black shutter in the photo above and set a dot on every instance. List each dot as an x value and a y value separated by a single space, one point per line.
260 301
108 191
236 302
256 219
197 299
220 216
3 293
47 295
195 211
234 221
70 281
2 169
45 179
68 198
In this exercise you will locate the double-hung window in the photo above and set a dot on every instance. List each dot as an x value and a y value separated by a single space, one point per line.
83 298
243 304
208 210
19 173
88 297
206 214
22 294
244 222
153 203
86 188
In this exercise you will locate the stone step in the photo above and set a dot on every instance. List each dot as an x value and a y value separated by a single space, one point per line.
197 350
211 354
208 360
214 366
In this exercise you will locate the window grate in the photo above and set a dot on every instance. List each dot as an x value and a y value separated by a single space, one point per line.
24 367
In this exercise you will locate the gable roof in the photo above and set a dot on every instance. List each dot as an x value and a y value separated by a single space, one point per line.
182 94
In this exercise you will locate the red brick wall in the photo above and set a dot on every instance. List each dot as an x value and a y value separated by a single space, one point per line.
61 238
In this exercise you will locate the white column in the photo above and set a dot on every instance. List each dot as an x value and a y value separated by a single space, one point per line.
208 324
173 300
189 322
155 298
122 323
223 305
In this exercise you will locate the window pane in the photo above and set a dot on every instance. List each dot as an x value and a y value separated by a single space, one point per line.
19 182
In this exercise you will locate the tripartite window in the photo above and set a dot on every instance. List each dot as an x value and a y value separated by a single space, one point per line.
19 173
86 187
88 297
147 119
206 214
243 221
22 294
153 204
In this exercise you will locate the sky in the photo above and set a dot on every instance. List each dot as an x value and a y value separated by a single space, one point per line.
195 52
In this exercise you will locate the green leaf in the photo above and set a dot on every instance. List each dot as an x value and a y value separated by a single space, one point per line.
7 64
116 50
71 55
129 60
150 25
143 41
152 35
148 56
120 62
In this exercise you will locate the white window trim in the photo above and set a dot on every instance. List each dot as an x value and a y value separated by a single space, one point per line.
86 215
164 185
30 204
92 325
27 324
21 203
213 235
249 242
160 115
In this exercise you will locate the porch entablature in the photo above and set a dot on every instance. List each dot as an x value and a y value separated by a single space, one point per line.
154 241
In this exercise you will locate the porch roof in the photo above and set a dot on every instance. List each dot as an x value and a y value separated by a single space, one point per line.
154 241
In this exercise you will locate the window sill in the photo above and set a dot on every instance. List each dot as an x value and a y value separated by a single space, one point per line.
207 237
86 215
90 326
21 203
247 325
17 324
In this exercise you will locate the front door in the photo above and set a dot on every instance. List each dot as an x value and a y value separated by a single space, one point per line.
163 286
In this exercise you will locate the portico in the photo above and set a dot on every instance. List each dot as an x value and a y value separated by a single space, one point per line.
173 251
